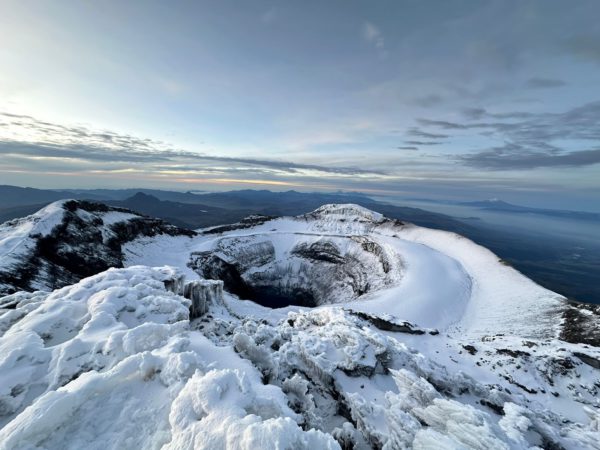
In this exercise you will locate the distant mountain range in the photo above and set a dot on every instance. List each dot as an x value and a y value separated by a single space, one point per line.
550 262
502 206
189 210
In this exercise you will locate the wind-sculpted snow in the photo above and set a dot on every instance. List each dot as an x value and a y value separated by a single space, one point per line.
50 339
420 339
111 363
398 393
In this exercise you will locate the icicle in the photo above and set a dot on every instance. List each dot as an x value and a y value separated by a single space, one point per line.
202 293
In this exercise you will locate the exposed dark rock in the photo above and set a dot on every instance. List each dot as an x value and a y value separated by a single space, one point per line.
316 272
360 370
213 267
581 324
549 444
522 386
470 349
248 222
513 353
319 251
388 324
76 247
498 409
589 360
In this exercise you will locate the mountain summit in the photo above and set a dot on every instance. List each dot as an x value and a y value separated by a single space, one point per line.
335 329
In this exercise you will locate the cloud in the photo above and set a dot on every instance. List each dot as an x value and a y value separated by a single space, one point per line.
441 124
41 139
543 83
407 148
515 157
92 153
289 166
532 140
424 134
422 143
428 101
580 123
585 46
481 113
373 35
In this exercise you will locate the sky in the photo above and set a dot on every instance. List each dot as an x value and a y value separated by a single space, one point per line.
419 99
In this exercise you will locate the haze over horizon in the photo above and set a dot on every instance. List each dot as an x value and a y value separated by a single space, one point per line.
464 100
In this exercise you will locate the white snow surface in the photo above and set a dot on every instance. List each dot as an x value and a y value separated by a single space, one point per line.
113 362
14 234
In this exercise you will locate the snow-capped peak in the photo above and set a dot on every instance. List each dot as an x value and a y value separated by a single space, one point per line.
405 338
347 211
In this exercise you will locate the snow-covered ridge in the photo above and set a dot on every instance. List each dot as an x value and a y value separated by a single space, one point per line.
68 240
345 252
14 233
346 211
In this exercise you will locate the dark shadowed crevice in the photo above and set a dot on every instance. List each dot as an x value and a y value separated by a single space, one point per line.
271 296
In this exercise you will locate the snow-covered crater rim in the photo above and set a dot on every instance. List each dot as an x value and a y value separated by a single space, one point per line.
347 211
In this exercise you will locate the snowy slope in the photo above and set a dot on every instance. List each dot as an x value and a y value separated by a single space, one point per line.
14 235
406 338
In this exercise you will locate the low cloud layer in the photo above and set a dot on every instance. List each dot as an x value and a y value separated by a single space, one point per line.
511 157
544 83
49 140
531 140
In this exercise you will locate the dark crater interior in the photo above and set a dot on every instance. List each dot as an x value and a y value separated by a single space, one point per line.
313 272
213 267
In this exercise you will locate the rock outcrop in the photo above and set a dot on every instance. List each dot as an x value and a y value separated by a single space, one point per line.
70 240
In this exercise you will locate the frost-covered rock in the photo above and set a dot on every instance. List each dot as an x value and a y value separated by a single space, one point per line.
114 362
222 409
203 293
